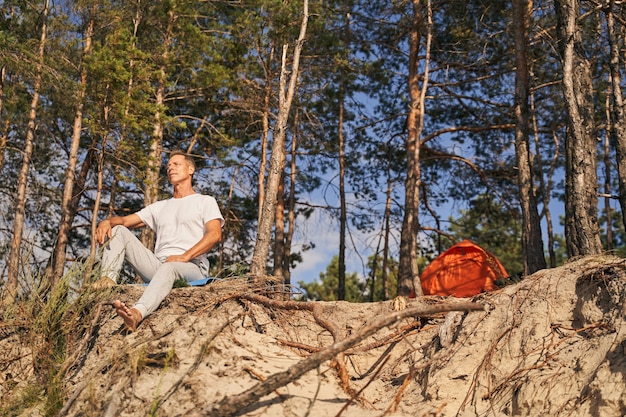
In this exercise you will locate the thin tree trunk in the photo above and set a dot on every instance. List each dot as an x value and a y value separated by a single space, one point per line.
285 229
4 136
98 158
532 242
277 160
619 123
267 68
384 238
408 269
92 157
137 20
581 186
341 288
22 179
545 185
151 191
279 232
57 266
387 236
153 175
607 169
291 205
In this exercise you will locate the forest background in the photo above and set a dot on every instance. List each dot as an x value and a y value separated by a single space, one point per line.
407 125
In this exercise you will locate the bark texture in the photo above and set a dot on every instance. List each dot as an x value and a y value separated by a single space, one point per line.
532 242
581 185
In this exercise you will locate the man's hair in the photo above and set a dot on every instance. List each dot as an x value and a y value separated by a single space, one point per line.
188 157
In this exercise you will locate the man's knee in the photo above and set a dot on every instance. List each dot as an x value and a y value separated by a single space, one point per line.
119 229
121 232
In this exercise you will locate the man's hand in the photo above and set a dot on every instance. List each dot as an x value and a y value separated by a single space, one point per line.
103 231
177 258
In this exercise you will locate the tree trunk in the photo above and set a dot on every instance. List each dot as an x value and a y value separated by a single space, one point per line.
341 273
22 179
617 110
285 228
387 236
408 272
266 129
545 185
279 234
277 160
291 206
532 242
92 158
151 191
607 169
581 186
57 265
137 20
153 175
4 135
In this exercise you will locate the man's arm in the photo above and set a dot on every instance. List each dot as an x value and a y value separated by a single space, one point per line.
212 236
103 231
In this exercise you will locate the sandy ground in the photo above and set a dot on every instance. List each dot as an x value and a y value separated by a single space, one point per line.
552 344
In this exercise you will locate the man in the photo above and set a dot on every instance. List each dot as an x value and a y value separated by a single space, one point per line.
187 226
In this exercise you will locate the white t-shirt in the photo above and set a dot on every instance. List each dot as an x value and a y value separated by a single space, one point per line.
179 223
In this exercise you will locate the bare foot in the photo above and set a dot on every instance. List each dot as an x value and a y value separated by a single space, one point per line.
132 317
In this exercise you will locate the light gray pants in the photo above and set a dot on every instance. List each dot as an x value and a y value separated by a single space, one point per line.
160 276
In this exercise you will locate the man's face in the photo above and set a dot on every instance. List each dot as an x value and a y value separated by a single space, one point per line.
178 170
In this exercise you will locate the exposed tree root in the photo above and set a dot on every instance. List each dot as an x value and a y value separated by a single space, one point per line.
230 405
112 362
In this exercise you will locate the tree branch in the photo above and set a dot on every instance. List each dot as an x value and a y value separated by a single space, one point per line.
230 405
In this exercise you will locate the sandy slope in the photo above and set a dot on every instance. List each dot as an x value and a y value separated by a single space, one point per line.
551 345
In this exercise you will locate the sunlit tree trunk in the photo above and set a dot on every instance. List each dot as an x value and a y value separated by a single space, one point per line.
96 158
57 265
384 238
617 108
22 178
532 241
545 184
4 133
267 68
279 233
408 273
153 174
277 160
291 205
343 216
285 225
92 159
137 20
607 168
387 236
581 186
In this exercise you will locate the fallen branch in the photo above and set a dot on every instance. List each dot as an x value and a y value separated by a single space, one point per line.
228 406
317 312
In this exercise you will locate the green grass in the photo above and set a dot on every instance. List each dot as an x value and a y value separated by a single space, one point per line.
50 322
